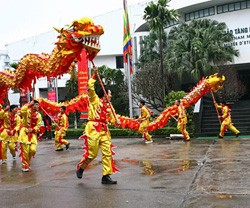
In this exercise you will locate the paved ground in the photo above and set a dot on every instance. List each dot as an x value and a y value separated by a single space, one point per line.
167 173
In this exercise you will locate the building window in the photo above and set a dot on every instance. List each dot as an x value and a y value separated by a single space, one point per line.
200 14
172 23
243 5
119 62
135 49
233 6
237 6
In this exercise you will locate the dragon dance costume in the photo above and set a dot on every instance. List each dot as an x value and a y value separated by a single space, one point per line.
96 134
60 132
31 122
226 120
144 119
182 122
9 135
1 129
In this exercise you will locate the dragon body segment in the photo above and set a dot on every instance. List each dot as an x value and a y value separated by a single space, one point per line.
81 34
80 103
211 83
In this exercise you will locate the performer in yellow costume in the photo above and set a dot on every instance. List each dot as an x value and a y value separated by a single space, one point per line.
31 122
226 120
10 131
144 122
61 128
96 134
182 120
1 129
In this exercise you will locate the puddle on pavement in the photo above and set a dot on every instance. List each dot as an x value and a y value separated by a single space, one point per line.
223 196
150 168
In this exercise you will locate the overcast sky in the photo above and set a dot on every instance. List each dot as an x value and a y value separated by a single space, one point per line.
20 19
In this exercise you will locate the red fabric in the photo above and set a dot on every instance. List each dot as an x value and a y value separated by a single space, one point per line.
0 150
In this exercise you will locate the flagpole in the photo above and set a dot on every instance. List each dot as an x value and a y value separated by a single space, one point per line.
129 88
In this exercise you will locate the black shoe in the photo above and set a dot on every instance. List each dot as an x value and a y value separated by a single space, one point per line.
220 137
237 135
79 173
67 146
58 150
107 180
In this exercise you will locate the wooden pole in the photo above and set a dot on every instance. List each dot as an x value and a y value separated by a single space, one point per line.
49 116
105 94
215 106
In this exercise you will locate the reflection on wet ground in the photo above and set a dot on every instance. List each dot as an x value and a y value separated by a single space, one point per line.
166 173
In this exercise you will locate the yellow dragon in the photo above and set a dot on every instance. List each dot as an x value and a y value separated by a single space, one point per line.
81 34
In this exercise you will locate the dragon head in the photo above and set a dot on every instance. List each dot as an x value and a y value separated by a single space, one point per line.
81 34
215 82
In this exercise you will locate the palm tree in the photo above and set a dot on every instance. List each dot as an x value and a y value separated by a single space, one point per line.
198 48
150 49
157 17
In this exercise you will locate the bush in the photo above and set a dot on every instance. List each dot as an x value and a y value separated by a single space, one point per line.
115 132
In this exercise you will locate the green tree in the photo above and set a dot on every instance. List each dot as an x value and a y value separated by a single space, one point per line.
150 49
146 85
72 92
158 16
114 80
199 48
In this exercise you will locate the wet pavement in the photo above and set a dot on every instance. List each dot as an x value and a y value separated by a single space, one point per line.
168 173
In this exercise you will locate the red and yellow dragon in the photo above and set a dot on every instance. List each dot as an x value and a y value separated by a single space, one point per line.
83 34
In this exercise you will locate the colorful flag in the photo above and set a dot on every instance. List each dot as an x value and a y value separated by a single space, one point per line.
127 44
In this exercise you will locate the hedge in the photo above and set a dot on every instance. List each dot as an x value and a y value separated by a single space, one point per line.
115 132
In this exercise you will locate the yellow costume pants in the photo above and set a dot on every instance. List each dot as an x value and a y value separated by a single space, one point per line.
27 152
92 146
5 146
227 124
181 126
59 139
145 134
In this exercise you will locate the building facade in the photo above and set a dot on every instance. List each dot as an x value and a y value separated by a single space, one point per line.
234 13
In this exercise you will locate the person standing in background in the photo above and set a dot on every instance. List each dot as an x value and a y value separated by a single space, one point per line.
31 122
226 120
144 122
61 128
9 135
182 120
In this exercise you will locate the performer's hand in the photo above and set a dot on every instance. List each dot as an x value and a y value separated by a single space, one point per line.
29 130
118 122
95 70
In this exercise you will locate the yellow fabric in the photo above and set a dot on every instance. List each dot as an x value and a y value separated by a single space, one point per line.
11 123
144 118
8 145
145 115
103 143
182 121
29 140
27 115
7 127
60 132
94 112
97 132
27 152
226 120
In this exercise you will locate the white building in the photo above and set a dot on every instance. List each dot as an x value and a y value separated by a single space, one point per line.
235 13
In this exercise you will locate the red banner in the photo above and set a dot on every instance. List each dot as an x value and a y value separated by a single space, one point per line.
52 90
83 77
52 95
